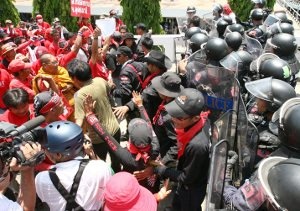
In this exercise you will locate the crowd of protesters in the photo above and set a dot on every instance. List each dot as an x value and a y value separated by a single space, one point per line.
85 84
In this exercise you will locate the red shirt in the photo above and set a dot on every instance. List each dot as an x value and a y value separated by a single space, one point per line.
53 48
26 85
64 59
8 116
5 79
99 70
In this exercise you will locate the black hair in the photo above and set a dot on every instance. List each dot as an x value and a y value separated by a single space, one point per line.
123 27
195 20
15 97
147 42
80 70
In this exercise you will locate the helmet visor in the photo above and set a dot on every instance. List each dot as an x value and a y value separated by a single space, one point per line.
261 89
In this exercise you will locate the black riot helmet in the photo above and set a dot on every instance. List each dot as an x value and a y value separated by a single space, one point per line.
234 40
191 31
246 59
289 127
283 44
217 8
278 27
257 14
216 49
275 92
197 40
221 27
279 178
259 3
227 18
281 15
276 68
236 28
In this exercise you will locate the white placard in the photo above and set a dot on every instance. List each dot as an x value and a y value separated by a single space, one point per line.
107 26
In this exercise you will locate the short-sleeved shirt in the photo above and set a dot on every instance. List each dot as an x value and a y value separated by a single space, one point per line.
7 204
98 89
91 187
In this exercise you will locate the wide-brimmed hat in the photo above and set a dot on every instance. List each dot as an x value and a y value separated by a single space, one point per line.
189 103
123 193
7 47
168 84
159 59
17 65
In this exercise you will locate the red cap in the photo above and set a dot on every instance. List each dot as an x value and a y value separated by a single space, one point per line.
17 65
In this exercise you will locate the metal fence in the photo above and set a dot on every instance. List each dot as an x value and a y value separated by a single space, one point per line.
293 7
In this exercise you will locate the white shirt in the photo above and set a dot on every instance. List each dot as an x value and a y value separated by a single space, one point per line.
8 205
90 191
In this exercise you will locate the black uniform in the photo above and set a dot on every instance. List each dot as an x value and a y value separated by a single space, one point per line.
130 74
191 173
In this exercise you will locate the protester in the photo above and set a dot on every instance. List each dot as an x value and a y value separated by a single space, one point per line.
124 193
98 88
19 110
22 77
192 130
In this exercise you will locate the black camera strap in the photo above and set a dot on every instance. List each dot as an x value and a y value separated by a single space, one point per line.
69 197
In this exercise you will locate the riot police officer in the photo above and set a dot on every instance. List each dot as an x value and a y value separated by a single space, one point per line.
265 182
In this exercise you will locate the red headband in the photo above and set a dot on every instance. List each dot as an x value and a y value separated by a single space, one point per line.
54 101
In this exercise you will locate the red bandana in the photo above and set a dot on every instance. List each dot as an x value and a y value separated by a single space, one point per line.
161 107
184 137
149 78
140 153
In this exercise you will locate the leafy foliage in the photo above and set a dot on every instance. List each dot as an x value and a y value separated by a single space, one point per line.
142 11
8 11
50 9
242 8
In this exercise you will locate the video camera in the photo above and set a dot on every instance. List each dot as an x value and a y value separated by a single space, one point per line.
12 137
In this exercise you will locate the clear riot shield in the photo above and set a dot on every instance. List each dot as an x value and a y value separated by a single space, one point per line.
225 128
217 171
254 47
207 21
180 45
246 145
182 24
270 20
218 85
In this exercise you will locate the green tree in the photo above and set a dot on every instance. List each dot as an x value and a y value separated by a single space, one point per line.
8 11
50 9
242 8
142 11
